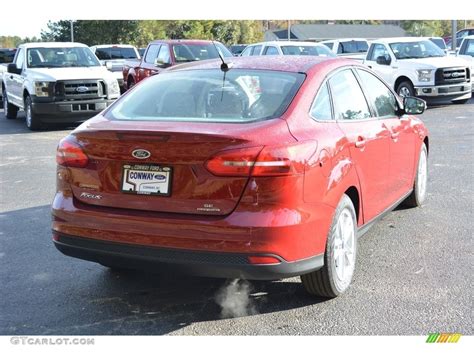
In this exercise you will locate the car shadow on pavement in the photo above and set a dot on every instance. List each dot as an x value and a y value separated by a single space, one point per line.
18 125
45 292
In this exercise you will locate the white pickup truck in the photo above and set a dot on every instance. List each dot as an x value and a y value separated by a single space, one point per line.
466 51
56 83
417 67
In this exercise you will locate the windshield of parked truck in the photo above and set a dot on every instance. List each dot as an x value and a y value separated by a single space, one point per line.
115 52
322 51
209 95
61 57
415 50
190 52
468 47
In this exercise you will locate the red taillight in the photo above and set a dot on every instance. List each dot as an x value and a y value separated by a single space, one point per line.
69 153
270 161
235 162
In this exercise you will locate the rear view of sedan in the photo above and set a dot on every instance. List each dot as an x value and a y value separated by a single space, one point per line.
269 169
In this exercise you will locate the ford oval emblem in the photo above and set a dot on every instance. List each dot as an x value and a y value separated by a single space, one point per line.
141 154
82 89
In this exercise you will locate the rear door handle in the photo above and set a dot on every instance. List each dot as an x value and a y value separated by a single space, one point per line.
360 143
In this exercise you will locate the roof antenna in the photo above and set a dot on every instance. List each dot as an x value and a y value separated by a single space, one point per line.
224 66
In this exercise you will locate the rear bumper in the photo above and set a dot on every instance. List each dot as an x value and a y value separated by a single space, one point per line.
199 263
69 111
295 237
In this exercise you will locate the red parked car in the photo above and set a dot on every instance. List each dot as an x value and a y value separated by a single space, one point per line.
266 170
163 54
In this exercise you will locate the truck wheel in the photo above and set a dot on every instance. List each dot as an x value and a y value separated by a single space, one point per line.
418 195
405 88
9 110
32 120
339 260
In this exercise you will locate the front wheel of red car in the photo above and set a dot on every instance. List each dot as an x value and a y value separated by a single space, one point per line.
418 195
339 260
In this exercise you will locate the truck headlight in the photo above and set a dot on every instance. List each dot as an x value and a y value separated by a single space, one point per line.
424 74
42 88
114 89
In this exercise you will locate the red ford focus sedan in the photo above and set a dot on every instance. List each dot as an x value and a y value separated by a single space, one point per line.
270 169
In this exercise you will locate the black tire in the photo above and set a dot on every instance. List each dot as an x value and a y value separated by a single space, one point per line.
325 282
405 88
10 110
32 120
418 195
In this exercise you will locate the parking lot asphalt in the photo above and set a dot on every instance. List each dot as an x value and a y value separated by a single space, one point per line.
413 275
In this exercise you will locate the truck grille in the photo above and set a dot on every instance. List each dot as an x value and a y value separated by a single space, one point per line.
446 76
79 90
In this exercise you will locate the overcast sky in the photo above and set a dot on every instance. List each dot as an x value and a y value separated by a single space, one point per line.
27 28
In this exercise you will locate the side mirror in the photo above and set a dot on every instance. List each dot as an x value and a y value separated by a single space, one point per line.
383 60
413 105
108 65
13 69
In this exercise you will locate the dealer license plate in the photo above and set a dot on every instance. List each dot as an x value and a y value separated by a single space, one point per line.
146 179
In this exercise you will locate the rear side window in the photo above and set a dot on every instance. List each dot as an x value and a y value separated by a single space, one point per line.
349 101
239 95
379 94
271 51
330 45
321 109
116 53
247 51
152 53
256 50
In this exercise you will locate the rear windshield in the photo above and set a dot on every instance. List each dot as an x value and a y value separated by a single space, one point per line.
190 52
307 50
116 53
241 95
7 55
352 47
439 42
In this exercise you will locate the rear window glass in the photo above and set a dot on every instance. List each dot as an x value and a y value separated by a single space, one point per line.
207 95
116 53
307 50
7 55
352 47
186 52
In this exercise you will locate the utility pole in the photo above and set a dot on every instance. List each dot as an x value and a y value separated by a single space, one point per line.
289 30
454 40
72 31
